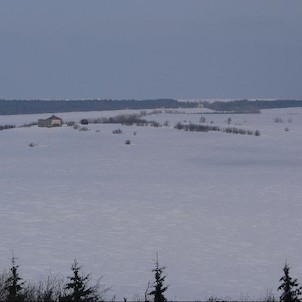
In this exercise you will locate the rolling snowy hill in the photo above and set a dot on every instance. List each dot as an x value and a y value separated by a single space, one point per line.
223 210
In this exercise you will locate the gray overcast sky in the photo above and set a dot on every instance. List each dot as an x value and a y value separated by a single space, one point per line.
148 49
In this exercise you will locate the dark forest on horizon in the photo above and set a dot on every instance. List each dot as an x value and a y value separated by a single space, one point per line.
11 107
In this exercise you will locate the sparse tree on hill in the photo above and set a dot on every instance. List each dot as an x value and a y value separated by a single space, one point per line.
290 288
158 286
79 288
14 285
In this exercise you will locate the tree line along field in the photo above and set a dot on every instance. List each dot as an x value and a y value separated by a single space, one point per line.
213 204
78 287
9 107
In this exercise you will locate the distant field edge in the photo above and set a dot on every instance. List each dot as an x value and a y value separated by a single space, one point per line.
12 107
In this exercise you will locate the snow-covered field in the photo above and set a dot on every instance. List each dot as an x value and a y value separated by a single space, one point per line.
223 210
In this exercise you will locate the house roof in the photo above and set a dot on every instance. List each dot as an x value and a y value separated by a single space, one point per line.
53 117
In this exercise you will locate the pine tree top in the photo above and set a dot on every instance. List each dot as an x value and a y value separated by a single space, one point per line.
290 288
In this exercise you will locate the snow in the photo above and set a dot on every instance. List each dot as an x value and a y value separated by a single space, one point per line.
222 210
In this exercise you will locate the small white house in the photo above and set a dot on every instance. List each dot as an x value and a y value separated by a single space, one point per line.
52 121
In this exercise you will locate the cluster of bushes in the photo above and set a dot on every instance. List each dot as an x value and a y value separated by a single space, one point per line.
77 126
117 131
174 111
196 128
206 128
125 119
5 127
30 124
278 120
241 131
227 112
70 123
155 111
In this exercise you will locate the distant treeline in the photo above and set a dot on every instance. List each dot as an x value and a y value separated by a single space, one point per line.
247 106
8 107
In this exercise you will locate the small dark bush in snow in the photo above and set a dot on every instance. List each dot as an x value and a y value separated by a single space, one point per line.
117 131
278 120
202 119
70 123
83 129
7 127
30 124
84 122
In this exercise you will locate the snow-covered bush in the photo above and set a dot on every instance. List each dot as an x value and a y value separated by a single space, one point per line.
117 131
278 120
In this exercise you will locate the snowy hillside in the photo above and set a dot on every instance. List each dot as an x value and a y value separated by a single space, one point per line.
223 210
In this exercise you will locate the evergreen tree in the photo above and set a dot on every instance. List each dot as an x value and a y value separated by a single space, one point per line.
289 287
158 286
78 287
14 285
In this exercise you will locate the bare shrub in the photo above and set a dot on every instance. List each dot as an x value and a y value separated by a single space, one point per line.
83 129
278 120
29 124
155 111
3 291
84 121
154 124
5 127
70 123
117 131
202 119
48 289
269 297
